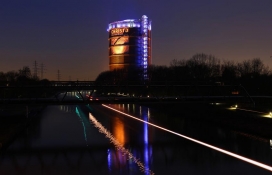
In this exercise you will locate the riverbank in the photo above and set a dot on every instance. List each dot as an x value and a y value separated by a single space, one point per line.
14 119
222 115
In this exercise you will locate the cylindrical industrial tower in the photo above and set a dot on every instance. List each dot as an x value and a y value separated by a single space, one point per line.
130 44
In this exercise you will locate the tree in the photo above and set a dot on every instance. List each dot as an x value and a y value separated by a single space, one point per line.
2 76
258 68
229 71
11 76
25 72
244 68
252 68
204 66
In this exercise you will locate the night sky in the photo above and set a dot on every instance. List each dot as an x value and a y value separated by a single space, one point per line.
71 36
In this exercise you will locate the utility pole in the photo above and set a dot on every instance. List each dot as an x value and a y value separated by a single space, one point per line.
58 75
35 71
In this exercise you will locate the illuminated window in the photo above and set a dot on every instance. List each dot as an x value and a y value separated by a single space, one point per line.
119 49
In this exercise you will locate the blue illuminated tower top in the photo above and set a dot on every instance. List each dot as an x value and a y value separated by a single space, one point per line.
130 23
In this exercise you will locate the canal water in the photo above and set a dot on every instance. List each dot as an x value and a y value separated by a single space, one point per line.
92 139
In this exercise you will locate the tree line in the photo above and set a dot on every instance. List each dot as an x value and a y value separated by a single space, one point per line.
204 68
21 77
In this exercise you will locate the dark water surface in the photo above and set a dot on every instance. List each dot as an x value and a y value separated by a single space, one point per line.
66 140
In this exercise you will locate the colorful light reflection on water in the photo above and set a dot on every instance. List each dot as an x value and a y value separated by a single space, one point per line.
253 162
125 153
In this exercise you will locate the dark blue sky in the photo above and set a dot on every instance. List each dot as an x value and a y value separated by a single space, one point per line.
70 35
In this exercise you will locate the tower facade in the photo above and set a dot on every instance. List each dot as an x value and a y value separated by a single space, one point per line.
130 44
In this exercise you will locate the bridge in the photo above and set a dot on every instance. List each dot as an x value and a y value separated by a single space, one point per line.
57 92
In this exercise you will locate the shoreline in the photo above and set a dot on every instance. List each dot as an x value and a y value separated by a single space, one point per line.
220 115
14 120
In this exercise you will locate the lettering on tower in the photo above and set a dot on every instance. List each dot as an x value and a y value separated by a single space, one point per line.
119 31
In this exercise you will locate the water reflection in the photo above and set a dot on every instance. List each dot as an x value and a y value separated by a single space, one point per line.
67 108
145 114
57 145
124 154
74 94
142 113
119 130
78 112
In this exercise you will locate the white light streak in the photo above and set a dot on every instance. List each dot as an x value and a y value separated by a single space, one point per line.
268 115
250 110
199 142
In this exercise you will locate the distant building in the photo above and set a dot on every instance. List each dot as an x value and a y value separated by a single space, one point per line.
130 44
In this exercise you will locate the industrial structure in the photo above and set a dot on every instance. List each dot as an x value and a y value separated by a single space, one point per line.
130 44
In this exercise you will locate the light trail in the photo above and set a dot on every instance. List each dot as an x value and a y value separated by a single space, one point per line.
264 114
199 142
251 111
